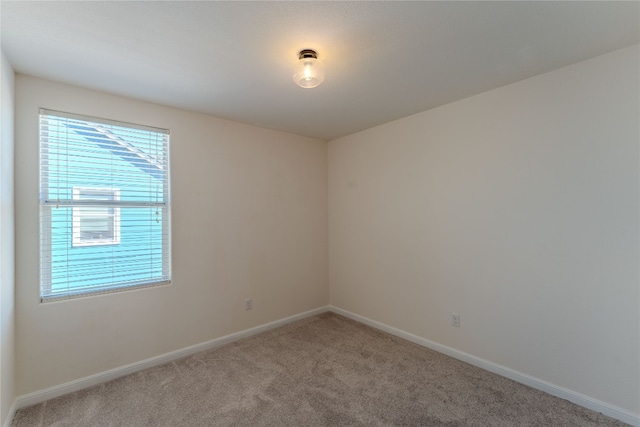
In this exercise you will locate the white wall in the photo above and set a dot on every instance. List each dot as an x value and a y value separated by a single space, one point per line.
7 305
517 208
249 220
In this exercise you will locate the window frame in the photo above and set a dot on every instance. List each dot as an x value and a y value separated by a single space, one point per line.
158 164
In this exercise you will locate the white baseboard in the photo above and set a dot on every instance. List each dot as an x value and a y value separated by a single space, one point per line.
12 412
552 389
101 377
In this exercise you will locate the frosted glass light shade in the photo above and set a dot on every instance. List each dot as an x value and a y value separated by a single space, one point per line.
309 70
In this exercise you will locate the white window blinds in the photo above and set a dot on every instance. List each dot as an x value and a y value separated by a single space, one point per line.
104 206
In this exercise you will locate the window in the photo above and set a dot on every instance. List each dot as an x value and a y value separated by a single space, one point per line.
104 206
96 225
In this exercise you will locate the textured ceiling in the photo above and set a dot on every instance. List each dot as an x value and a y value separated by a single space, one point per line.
384 60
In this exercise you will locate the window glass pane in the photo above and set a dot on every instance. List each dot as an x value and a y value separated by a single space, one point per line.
96 226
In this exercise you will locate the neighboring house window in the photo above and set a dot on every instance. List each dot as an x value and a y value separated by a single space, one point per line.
104 206
98 224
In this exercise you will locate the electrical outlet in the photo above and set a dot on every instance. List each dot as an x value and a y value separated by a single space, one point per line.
248 304
455 320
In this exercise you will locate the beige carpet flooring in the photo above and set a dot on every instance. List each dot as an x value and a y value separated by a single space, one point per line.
325 370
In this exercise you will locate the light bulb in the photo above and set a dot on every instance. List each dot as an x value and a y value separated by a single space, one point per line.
309 70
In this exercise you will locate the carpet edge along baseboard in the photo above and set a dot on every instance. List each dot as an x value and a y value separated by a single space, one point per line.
102 377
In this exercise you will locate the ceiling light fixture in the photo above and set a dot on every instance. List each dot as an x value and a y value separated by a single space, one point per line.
309 70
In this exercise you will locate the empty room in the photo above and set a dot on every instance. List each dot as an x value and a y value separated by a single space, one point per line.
305 213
